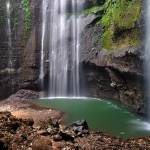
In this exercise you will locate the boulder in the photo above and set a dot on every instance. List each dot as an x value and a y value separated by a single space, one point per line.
42 143
3 144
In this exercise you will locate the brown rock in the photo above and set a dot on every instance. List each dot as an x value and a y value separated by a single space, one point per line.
42 143
3 144
57 137
29 121
42 132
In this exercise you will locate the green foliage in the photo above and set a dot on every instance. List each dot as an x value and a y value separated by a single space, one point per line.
123 13
94 9
116 16
27 15
107 38
121 40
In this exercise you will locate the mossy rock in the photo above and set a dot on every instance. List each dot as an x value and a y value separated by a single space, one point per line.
121 40
118 18
107 39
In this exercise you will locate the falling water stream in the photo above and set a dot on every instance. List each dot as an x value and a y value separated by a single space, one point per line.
9 33
44 21
147 56
61 27
58 52
10 63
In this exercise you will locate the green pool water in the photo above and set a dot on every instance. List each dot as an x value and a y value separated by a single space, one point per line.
103 115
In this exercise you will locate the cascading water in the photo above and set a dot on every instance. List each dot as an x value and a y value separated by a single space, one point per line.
147 56
10 63
44 21
63 28
75 48
58 53
9 33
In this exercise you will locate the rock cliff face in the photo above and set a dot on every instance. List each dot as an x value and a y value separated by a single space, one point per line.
116 77
24 51
116 74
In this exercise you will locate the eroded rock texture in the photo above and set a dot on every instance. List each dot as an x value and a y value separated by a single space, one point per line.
116 74
19 63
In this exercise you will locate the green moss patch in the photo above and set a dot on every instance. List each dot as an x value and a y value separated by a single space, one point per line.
27 15
121 40
118 16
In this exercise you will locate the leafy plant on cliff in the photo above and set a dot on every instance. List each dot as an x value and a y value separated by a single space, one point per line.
117 16
27 14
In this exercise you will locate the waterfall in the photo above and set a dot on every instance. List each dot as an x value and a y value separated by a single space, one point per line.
9 34
75 50
58 52
61 27
147 56
10 63
44 21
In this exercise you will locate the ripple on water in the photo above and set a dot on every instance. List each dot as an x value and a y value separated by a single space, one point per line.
140 124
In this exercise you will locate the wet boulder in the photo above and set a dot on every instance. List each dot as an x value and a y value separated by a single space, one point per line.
28 121
80 127
66 136
3 144
80 123
13 125
42 143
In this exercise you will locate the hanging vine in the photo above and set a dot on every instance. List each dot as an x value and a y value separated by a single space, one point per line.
27 15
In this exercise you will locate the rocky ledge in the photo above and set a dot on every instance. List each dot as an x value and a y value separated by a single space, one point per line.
114 74
21 106
20 134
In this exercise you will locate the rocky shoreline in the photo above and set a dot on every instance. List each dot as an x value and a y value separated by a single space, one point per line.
28 126
20 105
33 127
20 134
